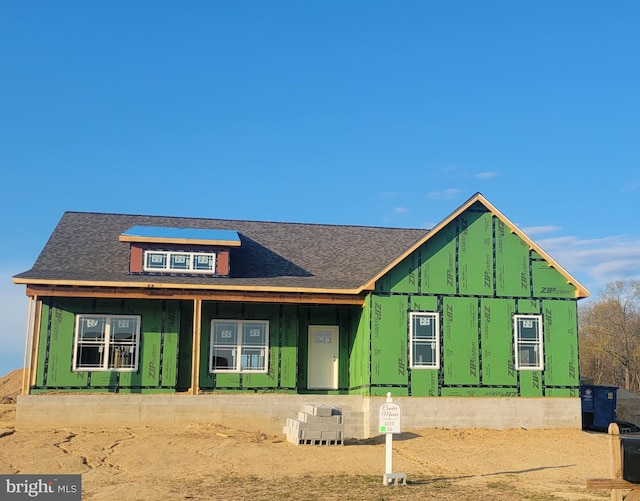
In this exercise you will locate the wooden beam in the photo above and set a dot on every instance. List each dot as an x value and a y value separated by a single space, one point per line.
192 287
190 295
27 363
610 483
616 483
615 453
195 348
35 332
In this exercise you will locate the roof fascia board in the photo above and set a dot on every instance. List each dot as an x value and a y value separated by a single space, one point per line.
152 285
168 240
581 291
186 294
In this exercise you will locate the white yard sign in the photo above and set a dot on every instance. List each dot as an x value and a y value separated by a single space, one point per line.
389 418
390 424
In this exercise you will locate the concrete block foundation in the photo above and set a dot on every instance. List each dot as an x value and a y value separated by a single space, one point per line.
269 413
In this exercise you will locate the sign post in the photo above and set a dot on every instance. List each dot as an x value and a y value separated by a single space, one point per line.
390 424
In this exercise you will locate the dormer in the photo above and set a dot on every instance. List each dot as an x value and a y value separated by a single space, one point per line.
157 250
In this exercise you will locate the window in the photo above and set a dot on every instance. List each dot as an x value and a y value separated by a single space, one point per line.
239 346
424 341
106 342
179 262
528 342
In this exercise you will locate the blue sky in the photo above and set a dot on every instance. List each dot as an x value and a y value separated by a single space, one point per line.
340 112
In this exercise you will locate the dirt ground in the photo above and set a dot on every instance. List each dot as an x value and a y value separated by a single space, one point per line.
207 461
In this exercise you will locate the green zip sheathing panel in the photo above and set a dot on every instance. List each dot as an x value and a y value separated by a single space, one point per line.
423 303
158 347
460 343
396 391
562 392
528 306
549 283
347 324
389 323
560 331
479 392
475 253
360 352
512 263
496 331
529 382
424 382
56 349
43 339
170 348
288 347
403 277
185 346
438 268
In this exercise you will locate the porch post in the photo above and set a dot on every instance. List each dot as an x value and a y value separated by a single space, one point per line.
31 342
195 349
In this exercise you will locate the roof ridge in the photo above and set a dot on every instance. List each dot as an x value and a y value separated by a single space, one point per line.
338 225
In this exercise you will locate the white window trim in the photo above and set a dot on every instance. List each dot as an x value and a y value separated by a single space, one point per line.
435 317
109 319
538 344
239 346
167 267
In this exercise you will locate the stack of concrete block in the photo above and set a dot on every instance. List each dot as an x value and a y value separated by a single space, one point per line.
317 424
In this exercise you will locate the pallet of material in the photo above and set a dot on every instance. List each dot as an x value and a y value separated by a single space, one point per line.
316 425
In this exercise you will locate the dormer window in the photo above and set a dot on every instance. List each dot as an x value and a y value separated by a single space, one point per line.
179 262
180 251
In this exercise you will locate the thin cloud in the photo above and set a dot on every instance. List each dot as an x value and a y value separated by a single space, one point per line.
485 175
443 195
400 210
596 262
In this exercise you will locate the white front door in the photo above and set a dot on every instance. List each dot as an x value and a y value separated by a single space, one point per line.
322 373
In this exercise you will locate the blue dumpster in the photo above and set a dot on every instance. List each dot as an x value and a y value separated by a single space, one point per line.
598 406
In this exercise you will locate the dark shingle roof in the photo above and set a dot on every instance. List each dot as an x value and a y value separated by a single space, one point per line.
84 247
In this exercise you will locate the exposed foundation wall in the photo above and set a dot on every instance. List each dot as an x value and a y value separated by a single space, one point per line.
483 412
268 413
